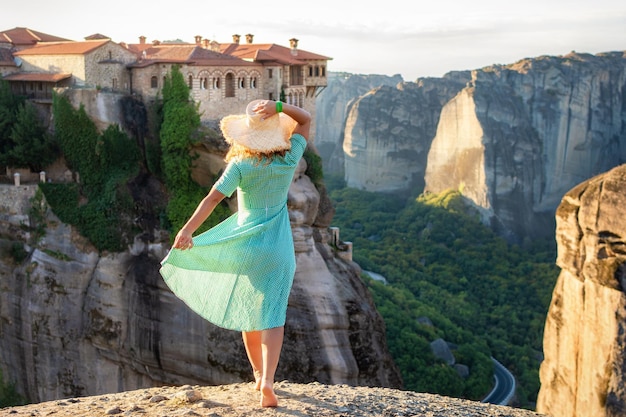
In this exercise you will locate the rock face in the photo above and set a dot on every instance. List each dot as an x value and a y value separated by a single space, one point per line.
584 371
332 107
75 323
513 139
388 133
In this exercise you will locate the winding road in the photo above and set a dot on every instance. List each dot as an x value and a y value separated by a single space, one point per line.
504 387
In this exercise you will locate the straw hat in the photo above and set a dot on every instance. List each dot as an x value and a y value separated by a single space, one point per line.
250 131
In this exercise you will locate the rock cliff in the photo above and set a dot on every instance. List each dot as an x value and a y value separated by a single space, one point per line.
512 138
74 322
388 133
519 136
584 371
332 107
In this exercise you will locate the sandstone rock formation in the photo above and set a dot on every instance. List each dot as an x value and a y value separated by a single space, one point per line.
519 136
239 400
74 322
512 138
388 133
332 107
584 371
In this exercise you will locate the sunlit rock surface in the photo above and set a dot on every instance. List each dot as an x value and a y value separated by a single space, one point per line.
584 371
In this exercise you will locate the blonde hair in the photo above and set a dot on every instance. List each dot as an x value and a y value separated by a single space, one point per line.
241 152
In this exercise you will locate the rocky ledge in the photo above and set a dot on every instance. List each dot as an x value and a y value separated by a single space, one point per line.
241 400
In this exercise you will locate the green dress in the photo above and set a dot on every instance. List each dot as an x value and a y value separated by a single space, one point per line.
238 274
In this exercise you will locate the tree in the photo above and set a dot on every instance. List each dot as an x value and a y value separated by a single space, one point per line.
9 104
30 145
178 133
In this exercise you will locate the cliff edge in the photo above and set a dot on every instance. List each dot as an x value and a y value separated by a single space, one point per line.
233 400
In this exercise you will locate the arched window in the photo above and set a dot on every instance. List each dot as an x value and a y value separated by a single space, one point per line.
252 82
216 83
190 81
230 85
204 83
154 82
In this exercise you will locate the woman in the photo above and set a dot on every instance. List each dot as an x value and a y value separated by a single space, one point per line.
238 274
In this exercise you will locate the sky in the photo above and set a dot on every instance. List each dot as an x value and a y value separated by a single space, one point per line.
412 38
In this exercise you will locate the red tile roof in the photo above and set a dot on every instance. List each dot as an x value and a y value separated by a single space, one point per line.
96 36
23 37
182 53
201 56
31 76
63 48
270 52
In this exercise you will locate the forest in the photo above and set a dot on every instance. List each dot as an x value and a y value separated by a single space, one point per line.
450 277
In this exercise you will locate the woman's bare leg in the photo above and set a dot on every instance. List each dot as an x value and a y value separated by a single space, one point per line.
252 342
271 345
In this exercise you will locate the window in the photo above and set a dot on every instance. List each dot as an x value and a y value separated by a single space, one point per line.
190 81
154 83
270 73
204 83
241 82
317 71
114 83
310 71
216 83
253 82
110 56
323 71
230 85
295 75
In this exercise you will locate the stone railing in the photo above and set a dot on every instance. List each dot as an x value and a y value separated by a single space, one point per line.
344 249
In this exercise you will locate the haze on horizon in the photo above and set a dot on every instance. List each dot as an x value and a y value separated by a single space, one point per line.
373 38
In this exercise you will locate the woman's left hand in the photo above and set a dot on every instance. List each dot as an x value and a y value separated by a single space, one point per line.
265 108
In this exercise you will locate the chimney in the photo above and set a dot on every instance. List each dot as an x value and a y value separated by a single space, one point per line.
198 39
293 42
205 43
142 40
156 42
249 38
236 39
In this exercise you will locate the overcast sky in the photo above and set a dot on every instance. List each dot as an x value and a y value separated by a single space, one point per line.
384 37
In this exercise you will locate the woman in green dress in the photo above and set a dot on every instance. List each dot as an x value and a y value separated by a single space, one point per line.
238 274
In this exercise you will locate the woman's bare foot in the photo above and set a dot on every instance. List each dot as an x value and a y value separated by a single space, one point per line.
268 398
257 379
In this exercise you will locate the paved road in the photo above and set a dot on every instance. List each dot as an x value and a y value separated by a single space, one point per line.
504 387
